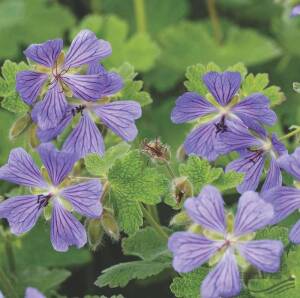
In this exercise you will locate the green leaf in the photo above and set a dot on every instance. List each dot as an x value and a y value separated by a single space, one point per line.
120 275
274 233
99 166
139 49
146 244
188 285
199 172
114 296
11 100
228 180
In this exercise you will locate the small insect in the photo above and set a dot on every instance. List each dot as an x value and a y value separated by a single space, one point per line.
78 109
43 200
155 149
221 126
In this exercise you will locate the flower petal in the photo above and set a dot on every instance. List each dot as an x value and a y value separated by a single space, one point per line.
295 11
58 163
21 212
223 280
86 48
87 87
255 107
285 201
85 197
45 53
291 163
263 254
66 230
294 235
223 86
201 141
252 165
190 106
207 209
33 293
191 250
253 213
21 169
85 138
119 116
51 110
29 84
278 145
274 177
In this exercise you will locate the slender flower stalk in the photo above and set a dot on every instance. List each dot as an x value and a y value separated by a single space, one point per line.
213 14
140 15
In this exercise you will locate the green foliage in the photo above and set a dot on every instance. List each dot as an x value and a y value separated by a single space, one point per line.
120 275
99 166
114 296
188 284
274 233
139 49
131 183
11 101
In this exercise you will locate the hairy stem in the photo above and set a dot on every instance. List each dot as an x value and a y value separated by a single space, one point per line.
170 170
10 256
6 285
140 16
214 18
154 223
291 134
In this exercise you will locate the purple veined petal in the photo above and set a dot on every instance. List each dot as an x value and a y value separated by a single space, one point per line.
96 68
87 87
191 250
58 163
201 141
252 165
295 11
29 85
291 163
47 135
33 293
294 235
119 116
1 295
51 110
223 86
255 107
253 213
278 145
274 177
66 230
85 138
45 53
263 254
85 197
190 106
86 48
223 280
235 138
208 209
285 201
21 212
21 169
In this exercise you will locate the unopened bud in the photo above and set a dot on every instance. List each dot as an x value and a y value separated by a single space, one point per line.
110 225
19 126
156 150
95 232
33 139
180 219
181 154
181 189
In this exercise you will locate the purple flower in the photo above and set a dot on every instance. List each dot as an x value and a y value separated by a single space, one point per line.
119 116
214 113
295 11
221 241
255 149
33 293
55 192
61 75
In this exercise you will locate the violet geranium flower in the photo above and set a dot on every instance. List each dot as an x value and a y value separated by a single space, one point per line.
221 241
286 200
295 11
61 75
119 116
255 148
22 212
223 106
30 293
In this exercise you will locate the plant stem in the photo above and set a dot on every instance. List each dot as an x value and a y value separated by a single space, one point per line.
6 285
170 170
153 223
153 211
291 134
214 18
10 256
140 17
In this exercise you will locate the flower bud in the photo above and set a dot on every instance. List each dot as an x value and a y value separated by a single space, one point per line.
33 139
110 225
181 189
19 126
95 232
180 219
181 154
156 150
